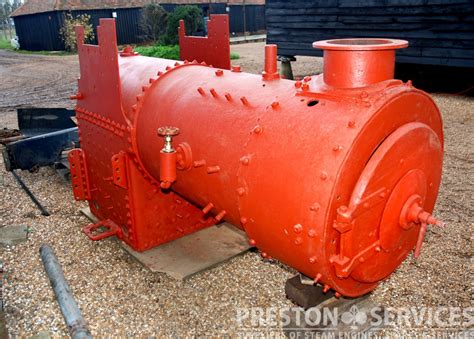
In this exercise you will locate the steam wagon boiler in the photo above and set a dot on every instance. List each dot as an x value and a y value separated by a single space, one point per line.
335 175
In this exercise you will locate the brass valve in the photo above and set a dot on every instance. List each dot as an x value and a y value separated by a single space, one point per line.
167 156
168 132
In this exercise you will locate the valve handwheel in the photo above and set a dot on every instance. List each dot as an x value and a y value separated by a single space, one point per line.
168 131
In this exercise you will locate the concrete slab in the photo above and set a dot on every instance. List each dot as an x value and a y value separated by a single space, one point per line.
353 316
14 234
193 253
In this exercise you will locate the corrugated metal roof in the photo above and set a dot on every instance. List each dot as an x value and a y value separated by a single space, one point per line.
40 6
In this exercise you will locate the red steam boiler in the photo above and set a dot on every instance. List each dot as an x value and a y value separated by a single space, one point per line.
335 175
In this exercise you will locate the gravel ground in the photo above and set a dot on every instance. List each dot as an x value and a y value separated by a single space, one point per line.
117 295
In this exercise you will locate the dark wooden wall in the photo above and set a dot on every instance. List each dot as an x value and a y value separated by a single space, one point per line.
440 32
40 32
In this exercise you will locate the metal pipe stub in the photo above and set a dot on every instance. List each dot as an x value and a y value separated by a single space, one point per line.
72 314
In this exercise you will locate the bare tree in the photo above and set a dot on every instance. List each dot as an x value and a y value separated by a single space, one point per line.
7 7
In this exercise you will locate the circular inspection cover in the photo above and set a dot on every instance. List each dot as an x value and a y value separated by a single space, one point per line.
405 168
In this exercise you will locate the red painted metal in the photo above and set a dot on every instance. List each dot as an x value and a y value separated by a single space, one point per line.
334 177
213 49
79 177
350 63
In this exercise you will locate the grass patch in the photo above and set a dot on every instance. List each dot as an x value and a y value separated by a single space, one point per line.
53 53
159 51
168 52
5 44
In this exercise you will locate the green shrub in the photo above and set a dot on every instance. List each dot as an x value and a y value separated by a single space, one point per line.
234 56
68 34
193 22
153 22
159 51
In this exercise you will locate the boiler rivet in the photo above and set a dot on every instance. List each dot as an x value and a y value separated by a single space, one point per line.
315 207
252 242
228 97
298 241
220 215
213 92
351 124
236 68
312 233
312 260
207 208
213 169
298 228
298 84
275 104
245 160
199 163
337 148
201 91
244 101
258 130
243 220
240 191
324 175
219 72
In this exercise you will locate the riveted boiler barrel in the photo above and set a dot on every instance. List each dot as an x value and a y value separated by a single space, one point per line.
322 176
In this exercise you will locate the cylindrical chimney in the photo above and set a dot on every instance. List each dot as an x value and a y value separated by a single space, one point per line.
350 63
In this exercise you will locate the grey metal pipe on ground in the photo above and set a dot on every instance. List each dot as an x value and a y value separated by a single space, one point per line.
72 314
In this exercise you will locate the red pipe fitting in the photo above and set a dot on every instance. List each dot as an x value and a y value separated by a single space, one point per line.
351 63
271 70
167 169
168 156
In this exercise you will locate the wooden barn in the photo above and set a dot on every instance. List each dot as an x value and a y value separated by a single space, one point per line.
37 22
440 32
